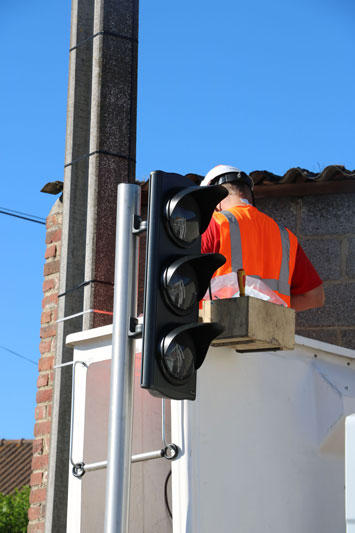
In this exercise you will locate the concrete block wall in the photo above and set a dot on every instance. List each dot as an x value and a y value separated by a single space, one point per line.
47 346
325 227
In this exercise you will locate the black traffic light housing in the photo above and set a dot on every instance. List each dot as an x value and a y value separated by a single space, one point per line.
177 276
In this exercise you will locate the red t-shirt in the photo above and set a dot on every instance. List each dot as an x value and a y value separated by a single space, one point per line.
304 278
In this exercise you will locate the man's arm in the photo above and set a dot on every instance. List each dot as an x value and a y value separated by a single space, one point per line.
210 240
307 290
309 300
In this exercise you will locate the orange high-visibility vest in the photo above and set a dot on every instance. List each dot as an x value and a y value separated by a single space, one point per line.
252 240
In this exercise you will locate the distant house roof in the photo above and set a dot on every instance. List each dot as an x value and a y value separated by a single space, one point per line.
297 181
15 464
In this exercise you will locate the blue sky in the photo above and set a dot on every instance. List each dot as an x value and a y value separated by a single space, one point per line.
260 85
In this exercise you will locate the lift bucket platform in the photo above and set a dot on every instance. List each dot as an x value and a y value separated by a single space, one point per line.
251 324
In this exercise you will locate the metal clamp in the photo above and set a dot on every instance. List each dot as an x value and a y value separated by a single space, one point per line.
171 452
135 329
79 470
139 225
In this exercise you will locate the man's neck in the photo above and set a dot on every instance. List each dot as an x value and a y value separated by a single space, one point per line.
234 200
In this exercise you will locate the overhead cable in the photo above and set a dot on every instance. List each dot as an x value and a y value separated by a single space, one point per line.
19 355
24 216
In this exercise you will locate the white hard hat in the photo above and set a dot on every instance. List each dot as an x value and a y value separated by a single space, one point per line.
221 171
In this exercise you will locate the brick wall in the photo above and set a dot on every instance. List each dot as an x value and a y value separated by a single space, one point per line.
325 226
43 409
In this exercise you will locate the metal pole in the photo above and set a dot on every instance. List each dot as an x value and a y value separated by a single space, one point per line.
140 457
122 366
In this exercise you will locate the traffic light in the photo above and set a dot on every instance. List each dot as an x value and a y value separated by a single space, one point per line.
177 276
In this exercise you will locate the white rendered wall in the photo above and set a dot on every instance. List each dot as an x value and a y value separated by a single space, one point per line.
263 444
86 496
350 474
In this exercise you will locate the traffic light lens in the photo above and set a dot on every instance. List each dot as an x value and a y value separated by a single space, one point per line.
182 288
184 221
179 361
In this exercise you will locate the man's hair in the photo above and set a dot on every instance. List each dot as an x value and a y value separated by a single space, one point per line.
237 187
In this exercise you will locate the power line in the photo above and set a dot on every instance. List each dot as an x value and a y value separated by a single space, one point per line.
18 355
24 216
21 213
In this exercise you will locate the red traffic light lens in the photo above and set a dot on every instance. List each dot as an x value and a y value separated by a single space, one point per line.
184 220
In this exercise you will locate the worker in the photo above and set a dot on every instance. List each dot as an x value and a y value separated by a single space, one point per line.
251 240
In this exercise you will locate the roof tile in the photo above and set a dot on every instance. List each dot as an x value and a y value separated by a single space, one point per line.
15 464
302 175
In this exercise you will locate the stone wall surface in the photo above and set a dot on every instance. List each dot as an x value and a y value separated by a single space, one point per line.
325 227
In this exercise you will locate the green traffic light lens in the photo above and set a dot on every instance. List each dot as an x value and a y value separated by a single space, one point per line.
184 220
178 361
182 287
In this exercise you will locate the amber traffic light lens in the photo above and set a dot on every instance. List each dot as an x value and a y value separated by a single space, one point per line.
179 361
182 288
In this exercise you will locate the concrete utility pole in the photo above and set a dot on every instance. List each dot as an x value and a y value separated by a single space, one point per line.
100 153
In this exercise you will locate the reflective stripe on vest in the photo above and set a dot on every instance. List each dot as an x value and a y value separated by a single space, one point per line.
281 285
